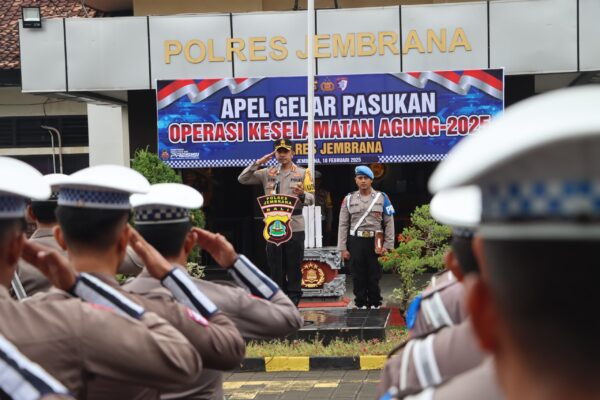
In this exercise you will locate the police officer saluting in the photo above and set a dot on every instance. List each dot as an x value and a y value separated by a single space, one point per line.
262 311
285 178
366 231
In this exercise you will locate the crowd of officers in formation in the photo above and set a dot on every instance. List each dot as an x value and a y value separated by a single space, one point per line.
511 318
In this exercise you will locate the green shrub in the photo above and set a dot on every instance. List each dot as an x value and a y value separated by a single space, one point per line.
150 165
421 246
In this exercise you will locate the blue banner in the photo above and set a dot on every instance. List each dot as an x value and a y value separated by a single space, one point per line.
385 118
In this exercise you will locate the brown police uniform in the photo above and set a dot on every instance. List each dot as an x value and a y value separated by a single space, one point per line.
77 342
254 317
479 383
131 265
366 271
217 340
431 360
284 260
32 279
440 280
443 305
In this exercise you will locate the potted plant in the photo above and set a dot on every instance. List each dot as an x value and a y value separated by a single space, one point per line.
421 247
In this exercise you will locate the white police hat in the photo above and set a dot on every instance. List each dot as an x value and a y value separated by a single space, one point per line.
18 182
165 203
102 187
54 181
538 167
460 208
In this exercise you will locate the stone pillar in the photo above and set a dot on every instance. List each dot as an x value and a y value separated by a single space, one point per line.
108 128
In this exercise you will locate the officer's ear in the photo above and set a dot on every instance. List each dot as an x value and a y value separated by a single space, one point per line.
30 214
123 239
60 238
480 304
451 262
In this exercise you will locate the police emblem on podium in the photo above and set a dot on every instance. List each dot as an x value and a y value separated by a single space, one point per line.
277 211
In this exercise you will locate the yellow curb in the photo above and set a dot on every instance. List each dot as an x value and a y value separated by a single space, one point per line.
274 364
372 362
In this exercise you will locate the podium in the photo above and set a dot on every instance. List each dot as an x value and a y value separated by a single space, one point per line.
321 277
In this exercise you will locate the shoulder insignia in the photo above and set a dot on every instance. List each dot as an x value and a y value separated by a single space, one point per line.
388 208
196 317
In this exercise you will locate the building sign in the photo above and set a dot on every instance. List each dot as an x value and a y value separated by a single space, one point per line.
355 44
385 118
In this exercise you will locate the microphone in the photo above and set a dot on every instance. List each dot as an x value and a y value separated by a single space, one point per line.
276 186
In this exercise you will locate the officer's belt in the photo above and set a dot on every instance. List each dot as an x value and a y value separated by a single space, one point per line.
363 234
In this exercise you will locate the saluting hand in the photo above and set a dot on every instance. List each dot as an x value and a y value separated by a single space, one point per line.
57 268
265 159
217 246
157 265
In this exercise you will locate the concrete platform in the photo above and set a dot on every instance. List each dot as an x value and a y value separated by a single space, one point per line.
342 323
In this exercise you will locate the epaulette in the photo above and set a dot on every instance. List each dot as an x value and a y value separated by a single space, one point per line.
418 337
428 293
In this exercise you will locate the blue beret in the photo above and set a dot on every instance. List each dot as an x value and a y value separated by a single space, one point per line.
364 170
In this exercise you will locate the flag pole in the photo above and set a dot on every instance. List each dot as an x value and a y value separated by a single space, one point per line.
310 86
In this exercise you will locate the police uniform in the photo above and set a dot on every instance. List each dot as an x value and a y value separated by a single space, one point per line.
31 278
359 240
476 384
285 260
442 305
131 265
21 378
183 305
432 360
537 168
74 341
440 279
260 312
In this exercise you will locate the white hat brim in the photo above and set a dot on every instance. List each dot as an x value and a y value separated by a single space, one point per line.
21 179
458 207
169 194
110 177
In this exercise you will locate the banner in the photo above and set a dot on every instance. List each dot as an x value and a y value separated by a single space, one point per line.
382 118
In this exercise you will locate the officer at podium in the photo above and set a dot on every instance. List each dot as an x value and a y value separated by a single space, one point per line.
284 178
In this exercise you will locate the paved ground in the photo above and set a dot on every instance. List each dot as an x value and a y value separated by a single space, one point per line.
343 385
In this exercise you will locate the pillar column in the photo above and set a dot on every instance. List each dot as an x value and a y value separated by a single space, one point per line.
108 128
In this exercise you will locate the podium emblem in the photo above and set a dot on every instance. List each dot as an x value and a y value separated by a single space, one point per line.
277 210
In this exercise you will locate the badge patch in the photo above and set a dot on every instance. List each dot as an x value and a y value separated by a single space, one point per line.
197 318
277 210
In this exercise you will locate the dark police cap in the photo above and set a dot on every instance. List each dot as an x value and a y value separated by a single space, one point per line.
283 144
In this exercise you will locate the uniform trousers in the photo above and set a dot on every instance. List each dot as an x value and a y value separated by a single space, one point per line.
284 265
366 271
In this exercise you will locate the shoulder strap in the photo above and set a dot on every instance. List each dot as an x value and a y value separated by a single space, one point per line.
362 218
